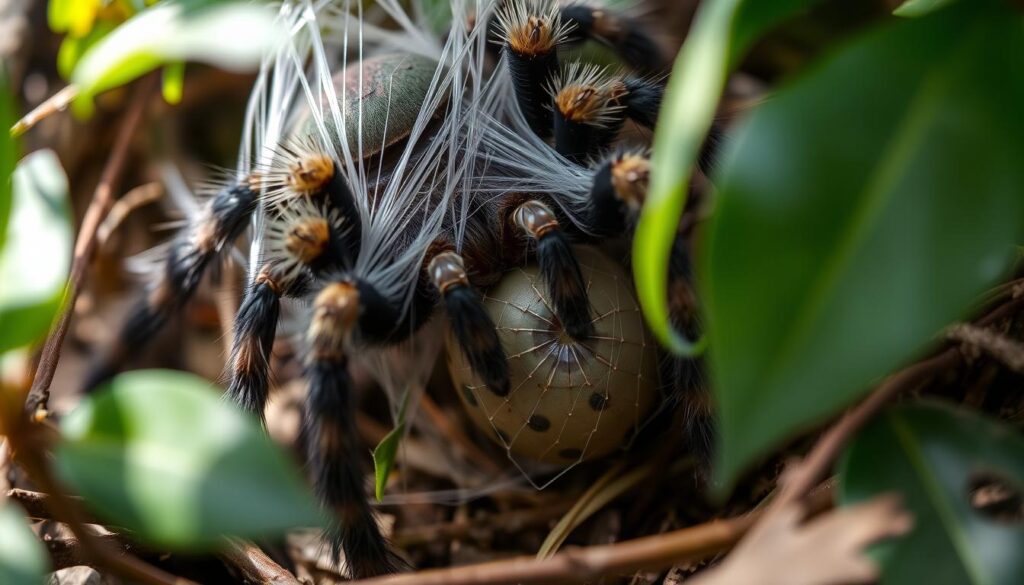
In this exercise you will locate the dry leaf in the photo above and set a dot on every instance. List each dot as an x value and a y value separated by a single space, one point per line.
827 550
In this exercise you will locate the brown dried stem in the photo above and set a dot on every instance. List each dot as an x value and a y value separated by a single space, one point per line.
85 248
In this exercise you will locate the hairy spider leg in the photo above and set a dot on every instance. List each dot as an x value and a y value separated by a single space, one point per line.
306 239
558 267
625 35
222 220
343 309
473 328
531 31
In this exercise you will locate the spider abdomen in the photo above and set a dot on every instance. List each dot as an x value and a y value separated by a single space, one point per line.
568 400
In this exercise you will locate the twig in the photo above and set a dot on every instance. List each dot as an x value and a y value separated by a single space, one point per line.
255 566
1008 351
129 202
55 103
85 249
510 521
801 478
252 564
459 438
586 564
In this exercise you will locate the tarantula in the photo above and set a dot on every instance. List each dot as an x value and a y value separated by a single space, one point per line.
423 179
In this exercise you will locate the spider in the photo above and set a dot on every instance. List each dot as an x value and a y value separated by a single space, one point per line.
442 177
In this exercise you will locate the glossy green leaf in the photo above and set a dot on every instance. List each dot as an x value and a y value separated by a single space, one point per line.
860 211
22 557
36 255
385 452
232 36
721 33
914 8
162 454
933 455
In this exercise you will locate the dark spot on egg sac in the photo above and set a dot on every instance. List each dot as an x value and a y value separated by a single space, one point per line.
539 423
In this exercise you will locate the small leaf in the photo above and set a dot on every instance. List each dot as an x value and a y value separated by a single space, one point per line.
932 454
36 255
385 452
174 82
861 210
914 8
721 33
22 557
160 453
231 35
75 17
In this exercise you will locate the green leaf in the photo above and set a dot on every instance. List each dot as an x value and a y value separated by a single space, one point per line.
933 455
914 8
174 82
8 153
36 255
22 557
75 17
72 48
721 33
385 452
861 210
232 36
160 453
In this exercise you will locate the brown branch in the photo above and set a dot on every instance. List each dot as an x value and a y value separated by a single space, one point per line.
69 552
585 564
55 103
255 566
85 248
252 564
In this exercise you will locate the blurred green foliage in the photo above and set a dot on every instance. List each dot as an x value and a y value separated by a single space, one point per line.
861 210
22 557
935 455
721 33
36 253
163 455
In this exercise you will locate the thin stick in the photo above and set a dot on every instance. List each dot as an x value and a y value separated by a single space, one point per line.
255 566
85 249
55 103
586 564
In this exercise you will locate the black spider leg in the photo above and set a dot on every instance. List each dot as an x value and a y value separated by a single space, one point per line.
473 327
558 266
530 48
221 221
312 246
255 328
341 310
616 197
578 135
642 100
623 34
